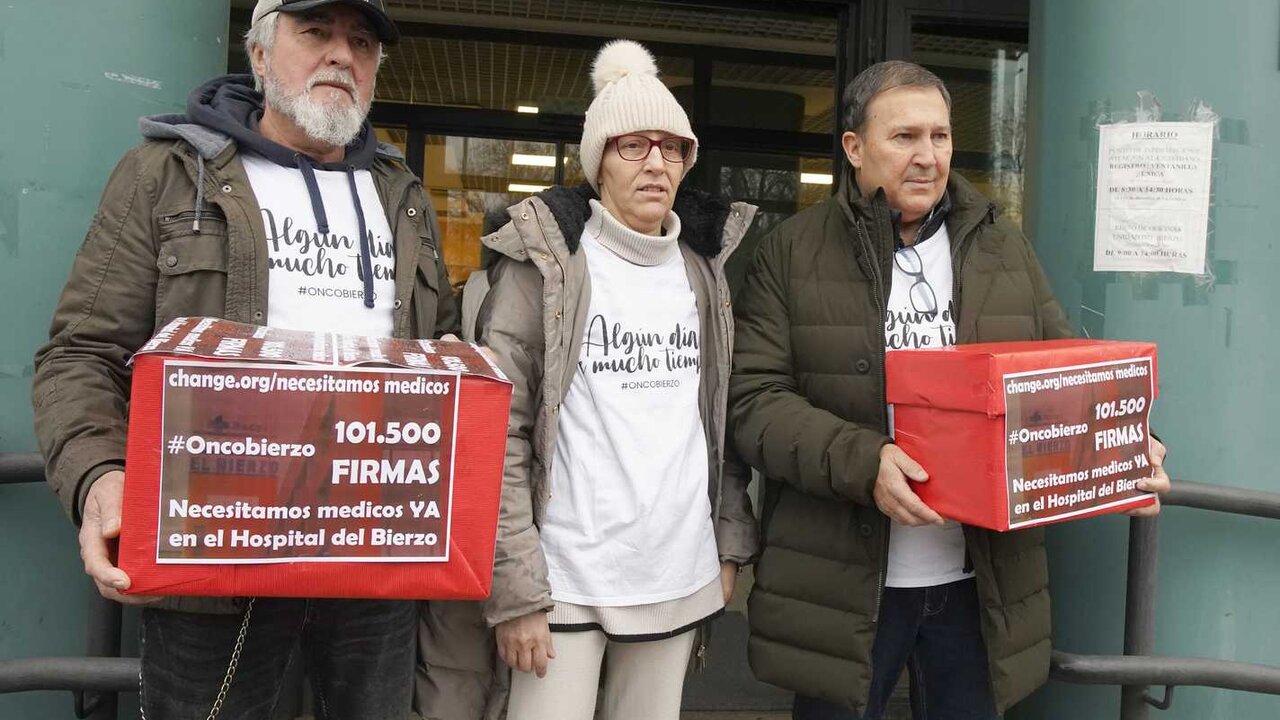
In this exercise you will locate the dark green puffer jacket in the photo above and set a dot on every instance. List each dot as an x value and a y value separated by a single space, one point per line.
807 408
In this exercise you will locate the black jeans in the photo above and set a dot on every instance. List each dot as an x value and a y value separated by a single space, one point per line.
934 633
359 655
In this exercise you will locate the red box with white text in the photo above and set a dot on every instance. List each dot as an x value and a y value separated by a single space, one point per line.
266 462
1021 434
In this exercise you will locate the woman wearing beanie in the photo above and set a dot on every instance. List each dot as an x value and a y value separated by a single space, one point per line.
623 523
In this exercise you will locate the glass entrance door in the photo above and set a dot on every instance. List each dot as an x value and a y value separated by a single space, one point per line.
490 107
486 100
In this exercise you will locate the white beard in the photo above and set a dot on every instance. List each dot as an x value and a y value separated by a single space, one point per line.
328 123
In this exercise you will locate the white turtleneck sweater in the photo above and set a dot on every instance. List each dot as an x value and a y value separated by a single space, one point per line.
629 521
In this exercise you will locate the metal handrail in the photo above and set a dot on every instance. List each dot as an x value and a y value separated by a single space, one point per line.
1138 668
101 673
104 674
1221 498
21 468
1135 671
1154 670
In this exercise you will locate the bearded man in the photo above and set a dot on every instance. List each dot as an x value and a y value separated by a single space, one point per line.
269 202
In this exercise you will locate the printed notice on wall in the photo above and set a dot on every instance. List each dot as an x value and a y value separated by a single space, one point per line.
1077 439
1153 197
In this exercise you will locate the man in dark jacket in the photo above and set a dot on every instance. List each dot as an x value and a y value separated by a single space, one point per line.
273 207
859 578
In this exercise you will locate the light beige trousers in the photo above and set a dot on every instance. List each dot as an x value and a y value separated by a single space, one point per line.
643 680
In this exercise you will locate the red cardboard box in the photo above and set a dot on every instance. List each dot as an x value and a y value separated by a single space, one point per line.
1021 434
265 462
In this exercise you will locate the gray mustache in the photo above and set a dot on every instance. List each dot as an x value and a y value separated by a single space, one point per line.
333 76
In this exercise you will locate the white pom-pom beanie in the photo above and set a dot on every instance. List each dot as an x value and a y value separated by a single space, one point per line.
629 99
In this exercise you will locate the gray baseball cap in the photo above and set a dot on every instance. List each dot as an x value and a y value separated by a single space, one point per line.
375 9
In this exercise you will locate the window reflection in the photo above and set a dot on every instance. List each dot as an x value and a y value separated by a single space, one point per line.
987 78
773 97
469 178
779 185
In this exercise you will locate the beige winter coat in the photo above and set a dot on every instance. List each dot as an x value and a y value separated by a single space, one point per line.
533 319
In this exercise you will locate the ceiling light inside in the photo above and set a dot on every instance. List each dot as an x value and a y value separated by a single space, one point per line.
534 160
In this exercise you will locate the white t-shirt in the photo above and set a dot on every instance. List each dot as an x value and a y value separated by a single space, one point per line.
629 520
921 314
316 281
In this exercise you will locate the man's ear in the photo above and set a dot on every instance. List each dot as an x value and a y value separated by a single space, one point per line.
852 144
258 59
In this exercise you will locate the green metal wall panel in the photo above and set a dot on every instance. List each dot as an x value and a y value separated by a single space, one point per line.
75 75
1218 578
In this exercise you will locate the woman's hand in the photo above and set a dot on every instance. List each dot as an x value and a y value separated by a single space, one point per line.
525 643
728 577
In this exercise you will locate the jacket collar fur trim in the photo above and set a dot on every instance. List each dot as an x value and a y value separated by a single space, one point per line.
702 216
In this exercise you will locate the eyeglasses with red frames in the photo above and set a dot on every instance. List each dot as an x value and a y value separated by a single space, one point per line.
674 149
